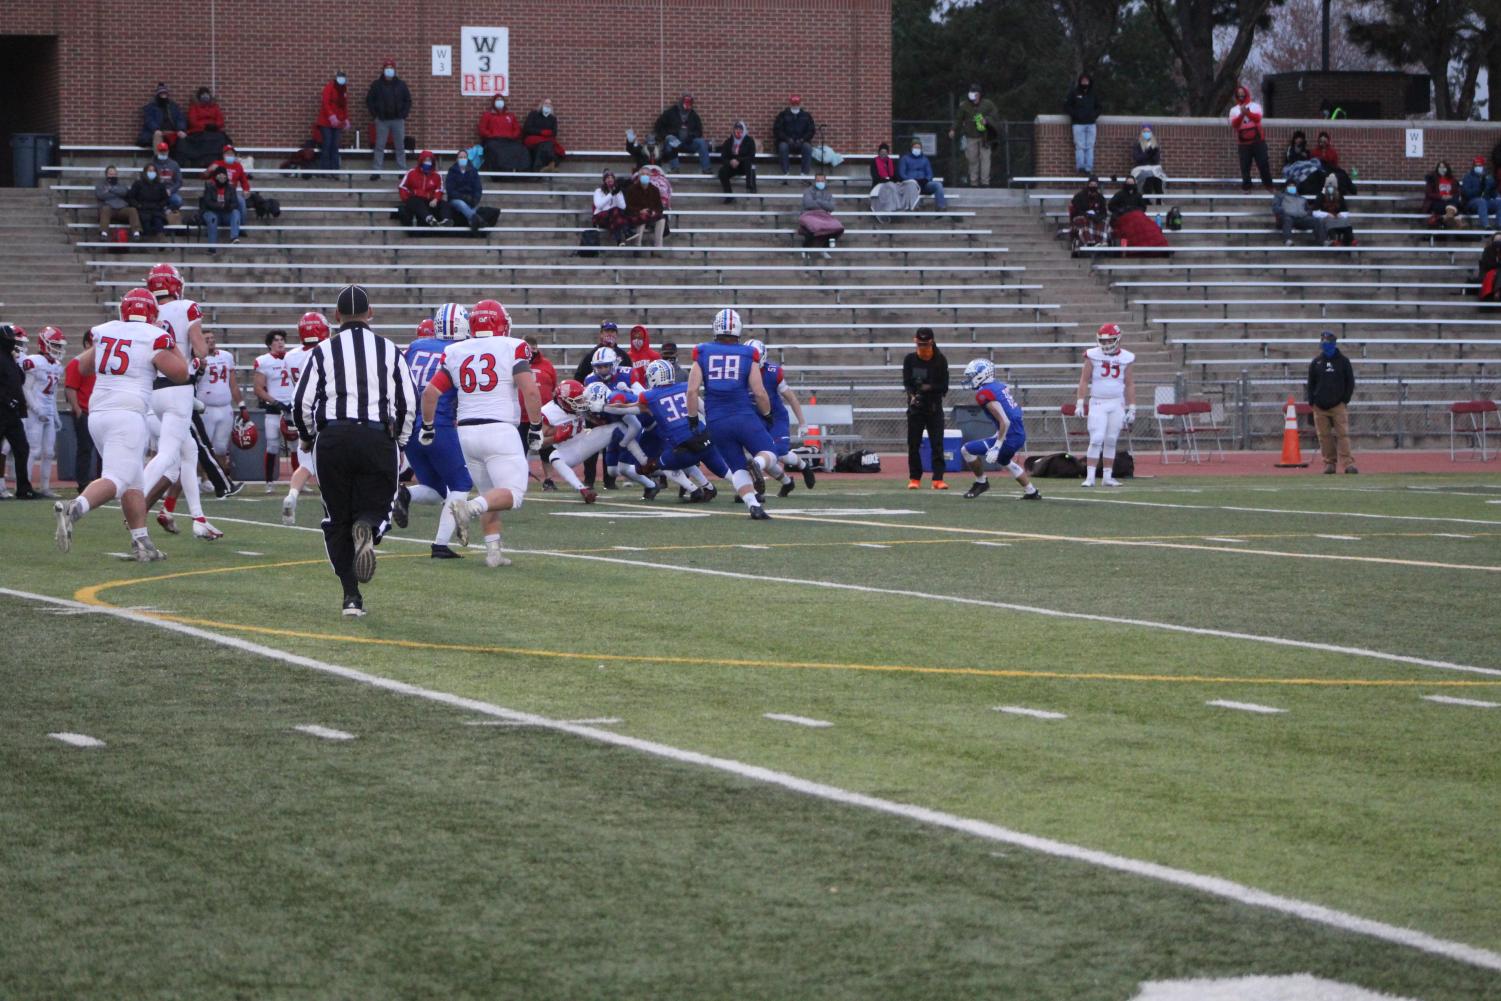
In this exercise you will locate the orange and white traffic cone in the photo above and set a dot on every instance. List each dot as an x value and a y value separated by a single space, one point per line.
1292 455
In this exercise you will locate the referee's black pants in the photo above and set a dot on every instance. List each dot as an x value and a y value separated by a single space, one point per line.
357 466
920 419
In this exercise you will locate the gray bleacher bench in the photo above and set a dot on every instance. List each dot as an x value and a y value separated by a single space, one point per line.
1226 181
1300 250
1324 305
1364 343
1330 322
699 327
1206 285
472 247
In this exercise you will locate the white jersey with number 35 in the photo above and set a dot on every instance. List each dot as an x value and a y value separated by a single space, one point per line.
123 352
483 370
1107 379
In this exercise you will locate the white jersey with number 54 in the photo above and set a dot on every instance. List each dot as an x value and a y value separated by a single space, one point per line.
1107 379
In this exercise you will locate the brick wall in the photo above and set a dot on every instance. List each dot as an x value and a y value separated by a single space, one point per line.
1204 147
606 65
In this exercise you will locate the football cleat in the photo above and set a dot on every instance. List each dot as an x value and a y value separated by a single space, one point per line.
169 523
354 607
401 507
758 513
203 529
977 373
289 510
1034 495
914 484
444 553
588 494
66 516
493 556
650 493
809 476
364 552
976 490
1111 481
710 492
940 485
697 497
459 506
787 487
144 551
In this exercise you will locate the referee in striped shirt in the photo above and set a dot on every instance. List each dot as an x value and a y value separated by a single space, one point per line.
356 403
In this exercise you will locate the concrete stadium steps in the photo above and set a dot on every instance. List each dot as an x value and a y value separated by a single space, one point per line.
42 279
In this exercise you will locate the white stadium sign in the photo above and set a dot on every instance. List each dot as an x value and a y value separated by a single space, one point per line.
485 62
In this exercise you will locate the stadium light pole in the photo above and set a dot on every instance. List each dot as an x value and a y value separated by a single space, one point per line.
1326 35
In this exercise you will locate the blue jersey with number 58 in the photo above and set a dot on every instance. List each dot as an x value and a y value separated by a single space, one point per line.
425 359
727 371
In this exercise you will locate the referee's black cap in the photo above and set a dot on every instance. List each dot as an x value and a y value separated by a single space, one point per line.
353 301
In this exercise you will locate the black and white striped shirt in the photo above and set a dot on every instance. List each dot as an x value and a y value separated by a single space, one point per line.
356 375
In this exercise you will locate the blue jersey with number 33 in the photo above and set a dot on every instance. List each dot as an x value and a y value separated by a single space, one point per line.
425 358
669 405
727 370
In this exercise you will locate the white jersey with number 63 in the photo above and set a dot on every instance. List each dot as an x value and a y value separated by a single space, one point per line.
483 369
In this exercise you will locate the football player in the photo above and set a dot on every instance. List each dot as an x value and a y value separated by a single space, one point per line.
774 377
492 371
567 431
128 356
1111 385
274 385
994 397
737 409
607 370
44 377
312 330
440 468
219 392
678 450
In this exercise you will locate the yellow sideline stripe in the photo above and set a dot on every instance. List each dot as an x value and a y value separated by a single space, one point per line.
90 596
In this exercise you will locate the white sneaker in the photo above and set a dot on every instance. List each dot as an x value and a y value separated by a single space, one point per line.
1111 481
6 493
493 557
271 488
1087 483
460 508
204 529
65 519
289 510
145 551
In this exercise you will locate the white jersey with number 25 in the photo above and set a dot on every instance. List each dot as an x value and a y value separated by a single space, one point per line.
1107 379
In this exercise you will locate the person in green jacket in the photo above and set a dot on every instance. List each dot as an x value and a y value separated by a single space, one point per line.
978 123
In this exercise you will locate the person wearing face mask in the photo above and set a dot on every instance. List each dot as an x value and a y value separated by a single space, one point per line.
793 132
161 120
1250 139
1331 384
464 192
737 156
114 204
609 207
540 134
817 224
976 127
1146 162
1331 208
679 130
421 193
888 192
645 207
1478 192
389 102
925 377
1086 215
500 133
915 166
333 119
1291 211
1490 261
219 205
148 196
230 163
171 175
1441 194
204 114
1082 106
1127 199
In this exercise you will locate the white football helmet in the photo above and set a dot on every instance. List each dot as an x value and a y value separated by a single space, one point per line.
977 373
451 322
1109 338
760 349
660 373
727 324
596 395
606 359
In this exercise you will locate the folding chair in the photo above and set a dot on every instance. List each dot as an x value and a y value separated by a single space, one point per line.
1175 425
1210 428
1064 413
1477 414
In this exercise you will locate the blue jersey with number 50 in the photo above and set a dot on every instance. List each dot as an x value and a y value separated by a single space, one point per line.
425 359
727 370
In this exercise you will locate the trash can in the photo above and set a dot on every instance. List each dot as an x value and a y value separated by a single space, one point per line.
29 153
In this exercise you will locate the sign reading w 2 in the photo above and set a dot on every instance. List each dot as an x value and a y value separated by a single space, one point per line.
485 62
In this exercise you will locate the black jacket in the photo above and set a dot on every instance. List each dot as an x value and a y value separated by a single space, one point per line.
12 387
934 372
217 199
1125 200
1081 106
790 128
388 99
537 123
1331 381
148 197
675 121
747 151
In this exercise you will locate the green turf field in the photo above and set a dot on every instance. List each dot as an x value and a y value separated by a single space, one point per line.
210 850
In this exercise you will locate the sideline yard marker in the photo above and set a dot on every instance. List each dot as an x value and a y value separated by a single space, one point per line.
1245 707
799 720
77 739
327 733
1449 700
1034 713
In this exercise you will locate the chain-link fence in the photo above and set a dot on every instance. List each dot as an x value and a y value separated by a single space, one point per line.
1012 150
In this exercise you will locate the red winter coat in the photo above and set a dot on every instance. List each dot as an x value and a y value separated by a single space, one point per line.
547 382
236 172
418 183
205 117
642 354
499 125
1245 122
1328 154
333 113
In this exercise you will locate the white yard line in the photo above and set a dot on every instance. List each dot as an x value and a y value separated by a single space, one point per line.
1450 700
1222 538
599 721
1449 535
871 545
1280 510
1339 538
1211 885
1245 707
327 733
246 552
998 545
77 739
799 720
1034 713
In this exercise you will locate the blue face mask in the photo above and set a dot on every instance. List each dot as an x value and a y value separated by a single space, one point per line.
820 185
341 80
1328 347
389 73
463 163
645 180
427 165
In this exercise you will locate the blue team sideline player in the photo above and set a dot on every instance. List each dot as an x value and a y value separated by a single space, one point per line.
440 468
679 450
774 378
736 407
1010 436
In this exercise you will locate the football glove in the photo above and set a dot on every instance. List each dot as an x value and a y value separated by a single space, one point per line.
428 434
1079 407
693 424
1130 415
199 406
272 407
533 437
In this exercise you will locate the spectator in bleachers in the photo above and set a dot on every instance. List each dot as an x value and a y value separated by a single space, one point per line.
915 166
114 204
888 192
333 119
1250 139
609 208
793 132
1087 214
644 207
540 135
148 196
1129 223
1292 212
641 352
817 224
389 102
1330 206
976 127
680 130
500 133
204 114
229 161
206 137
220 205
1442 197
1331 385
1478 189
1146 162
464 190
1083 110
640 153
161 120
1328 156
1490 261
421 193
737 157
171 174
1297 149
1127 199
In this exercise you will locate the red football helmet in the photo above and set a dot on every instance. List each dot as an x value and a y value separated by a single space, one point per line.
244 433
311 329
138 304
23 343
570 396
52 343
288 429
1109 338
427 328
489 318
164 280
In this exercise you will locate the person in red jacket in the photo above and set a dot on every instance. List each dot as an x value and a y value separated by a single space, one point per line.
500 133
1250 138
422 194
333 119
641 353
204 114
229 162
